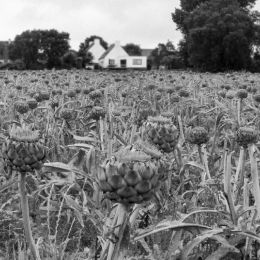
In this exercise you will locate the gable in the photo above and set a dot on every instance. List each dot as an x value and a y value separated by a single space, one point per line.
89 47
114 51
111 47
96 49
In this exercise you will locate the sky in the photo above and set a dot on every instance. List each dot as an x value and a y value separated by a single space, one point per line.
143 22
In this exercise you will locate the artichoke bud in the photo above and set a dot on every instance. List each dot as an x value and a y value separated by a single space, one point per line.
23 150
131 178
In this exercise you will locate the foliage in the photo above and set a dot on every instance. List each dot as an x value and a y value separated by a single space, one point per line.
38 47
71 60
206 204
133 49
218 34
166 55
14 65
190 5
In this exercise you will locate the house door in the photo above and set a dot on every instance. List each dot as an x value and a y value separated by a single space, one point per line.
123 63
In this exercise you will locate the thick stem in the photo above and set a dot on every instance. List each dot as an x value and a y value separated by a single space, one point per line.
101 133
134 214
182 138
133 132
239 178
239 105
26 218
246 193
205 161
201 161
240 163
115 251
227 188
255 178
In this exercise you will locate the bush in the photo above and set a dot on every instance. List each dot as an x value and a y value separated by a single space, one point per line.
14 65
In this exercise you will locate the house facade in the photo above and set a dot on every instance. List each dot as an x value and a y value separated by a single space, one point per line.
96 49
115 57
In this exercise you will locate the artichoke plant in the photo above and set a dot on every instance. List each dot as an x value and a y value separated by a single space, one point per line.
161 132
131 177
23 151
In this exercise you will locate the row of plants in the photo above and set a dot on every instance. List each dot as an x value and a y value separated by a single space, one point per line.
129 165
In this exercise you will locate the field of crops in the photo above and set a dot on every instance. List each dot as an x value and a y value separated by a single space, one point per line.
129 165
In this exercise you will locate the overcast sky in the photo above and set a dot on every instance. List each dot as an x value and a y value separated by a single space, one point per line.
144 22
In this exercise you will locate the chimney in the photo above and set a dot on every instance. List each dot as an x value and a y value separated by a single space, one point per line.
117 43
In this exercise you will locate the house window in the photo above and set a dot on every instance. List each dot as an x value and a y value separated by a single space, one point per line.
111 62
137 61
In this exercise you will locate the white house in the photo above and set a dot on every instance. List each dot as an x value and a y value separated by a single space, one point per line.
96 49
116 57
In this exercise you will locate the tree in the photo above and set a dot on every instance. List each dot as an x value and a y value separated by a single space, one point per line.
25 47
85 56
39 48
166 55
133 49
69 59
54 46
218 34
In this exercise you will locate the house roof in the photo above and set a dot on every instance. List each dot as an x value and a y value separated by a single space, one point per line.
111 47
90 46
146 52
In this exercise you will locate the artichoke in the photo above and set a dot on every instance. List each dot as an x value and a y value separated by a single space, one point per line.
161 132
23 151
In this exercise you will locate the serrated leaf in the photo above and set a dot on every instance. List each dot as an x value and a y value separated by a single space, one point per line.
194 164
50 208
7 185
81 145
56 167
246 234
71 203
76 208
212 234
206 211
223 251
173 225
78 159
85 139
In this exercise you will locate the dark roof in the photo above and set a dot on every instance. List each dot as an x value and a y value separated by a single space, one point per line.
92 44
146 52
107 51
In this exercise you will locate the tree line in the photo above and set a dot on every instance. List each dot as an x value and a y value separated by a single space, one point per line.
218 35
40 49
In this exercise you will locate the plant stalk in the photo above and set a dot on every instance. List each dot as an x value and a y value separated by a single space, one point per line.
227 188
255 178
115 251
26 217
239 177
205 161
239 106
